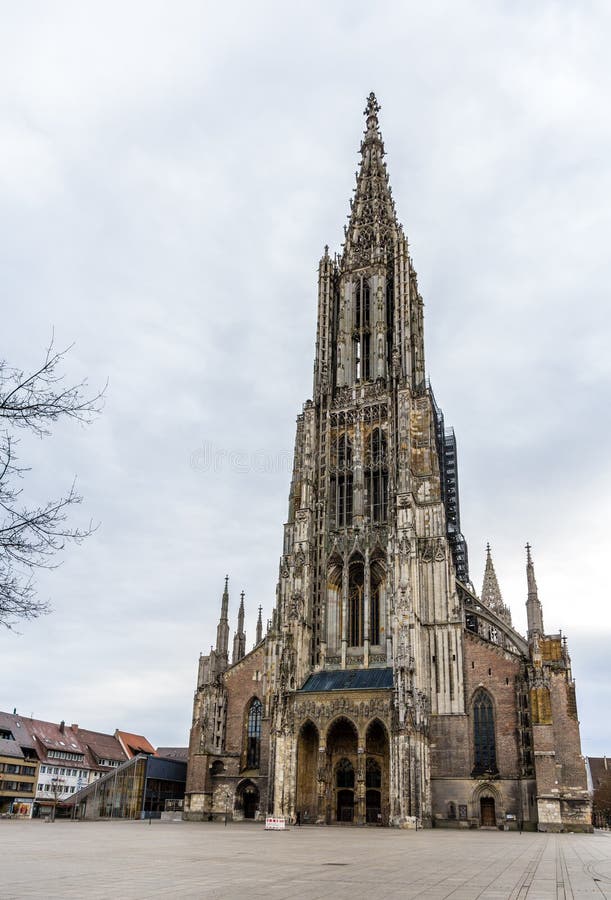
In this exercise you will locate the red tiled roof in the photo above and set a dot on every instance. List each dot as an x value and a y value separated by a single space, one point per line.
134 743
104 746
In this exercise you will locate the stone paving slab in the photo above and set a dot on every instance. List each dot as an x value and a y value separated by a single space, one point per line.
207 861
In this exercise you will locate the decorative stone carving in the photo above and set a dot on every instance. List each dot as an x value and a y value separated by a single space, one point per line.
296 606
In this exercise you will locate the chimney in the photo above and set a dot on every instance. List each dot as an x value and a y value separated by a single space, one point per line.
605 759
62 725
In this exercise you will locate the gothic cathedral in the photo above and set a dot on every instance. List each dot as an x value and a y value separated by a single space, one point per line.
385 690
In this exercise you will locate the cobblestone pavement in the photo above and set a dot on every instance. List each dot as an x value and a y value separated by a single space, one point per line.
127 860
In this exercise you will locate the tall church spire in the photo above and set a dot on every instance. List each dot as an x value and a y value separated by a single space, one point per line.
222 631
373 220
239 639
534 610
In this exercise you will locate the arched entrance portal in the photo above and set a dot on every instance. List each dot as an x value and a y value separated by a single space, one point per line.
342 760
247 800
307 763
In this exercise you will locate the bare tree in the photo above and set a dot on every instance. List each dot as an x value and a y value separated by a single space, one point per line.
32 534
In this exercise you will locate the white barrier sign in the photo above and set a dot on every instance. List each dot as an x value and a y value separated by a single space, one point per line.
275 823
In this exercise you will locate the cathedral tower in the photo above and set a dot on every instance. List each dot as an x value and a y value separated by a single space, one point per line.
385 691
367 579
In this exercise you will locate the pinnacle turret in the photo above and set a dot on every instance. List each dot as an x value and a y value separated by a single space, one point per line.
491 592
534 610
259 637
222 631
239 639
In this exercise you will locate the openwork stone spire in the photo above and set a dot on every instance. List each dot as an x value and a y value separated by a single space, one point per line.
373 222
534 610
491 592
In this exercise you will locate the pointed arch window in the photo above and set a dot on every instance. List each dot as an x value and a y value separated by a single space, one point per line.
253 734
356 600
373 774
344 774
484 742
374 615
376 475
362 336
390 304
341 482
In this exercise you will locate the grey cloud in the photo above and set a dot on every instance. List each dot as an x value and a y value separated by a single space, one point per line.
169 181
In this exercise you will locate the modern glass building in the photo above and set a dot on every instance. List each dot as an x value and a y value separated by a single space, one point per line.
138 789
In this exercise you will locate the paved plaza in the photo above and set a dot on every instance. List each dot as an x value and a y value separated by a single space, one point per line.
127 860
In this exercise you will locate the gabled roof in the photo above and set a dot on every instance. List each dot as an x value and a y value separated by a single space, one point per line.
134 743
103 746
51 736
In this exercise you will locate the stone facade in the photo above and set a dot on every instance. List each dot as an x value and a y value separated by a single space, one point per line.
384 690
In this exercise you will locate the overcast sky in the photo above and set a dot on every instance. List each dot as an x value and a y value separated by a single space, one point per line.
169 175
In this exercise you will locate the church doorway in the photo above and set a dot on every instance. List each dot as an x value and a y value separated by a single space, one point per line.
247 800
345 806
374 808
487 812
344 783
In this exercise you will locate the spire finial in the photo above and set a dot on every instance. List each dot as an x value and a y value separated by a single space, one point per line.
373 107
372 132
488 550
528 549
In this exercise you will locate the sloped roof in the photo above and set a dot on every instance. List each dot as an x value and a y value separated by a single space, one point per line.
104 746
10 748
134 743
15 724
52 736
349 680
600 767
179 753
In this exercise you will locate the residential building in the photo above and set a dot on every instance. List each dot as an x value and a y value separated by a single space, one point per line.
66 758
18 770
